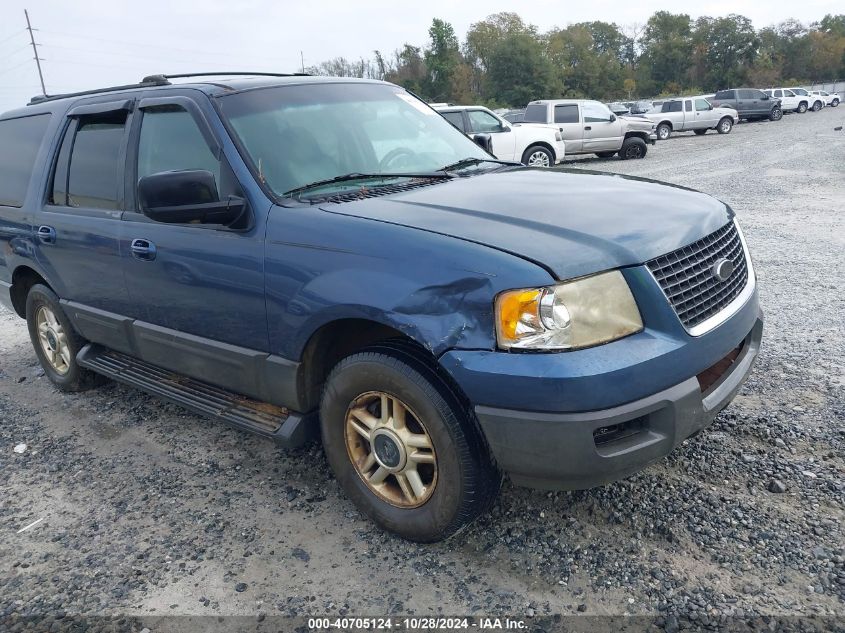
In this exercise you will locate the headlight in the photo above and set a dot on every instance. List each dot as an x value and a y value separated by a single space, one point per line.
570 315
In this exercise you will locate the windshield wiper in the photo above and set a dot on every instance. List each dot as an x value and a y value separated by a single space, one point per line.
468 162
359 176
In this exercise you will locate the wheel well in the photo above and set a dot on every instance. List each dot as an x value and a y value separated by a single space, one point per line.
666 123
542 144
639 135
333 342
23 279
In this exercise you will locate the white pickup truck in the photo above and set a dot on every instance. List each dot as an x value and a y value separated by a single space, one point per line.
691 113
535 147
589 127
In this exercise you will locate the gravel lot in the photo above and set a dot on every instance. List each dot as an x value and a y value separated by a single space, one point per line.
149 510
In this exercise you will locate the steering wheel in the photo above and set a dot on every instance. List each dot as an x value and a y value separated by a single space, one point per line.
395 156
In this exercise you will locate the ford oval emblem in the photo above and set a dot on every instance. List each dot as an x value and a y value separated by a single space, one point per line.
723 269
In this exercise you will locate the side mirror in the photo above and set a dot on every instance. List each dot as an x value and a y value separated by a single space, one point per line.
484 141
187 196
612 117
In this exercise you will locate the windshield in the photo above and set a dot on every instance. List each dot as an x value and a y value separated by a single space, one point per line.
302 134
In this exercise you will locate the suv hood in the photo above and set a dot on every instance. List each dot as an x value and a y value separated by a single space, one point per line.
572 222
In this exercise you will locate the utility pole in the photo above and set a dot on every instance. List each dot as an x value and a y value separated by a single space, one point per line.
35 50
302 58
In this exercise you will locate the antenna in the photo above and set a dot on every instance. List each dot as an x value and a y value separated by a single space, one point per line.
35 50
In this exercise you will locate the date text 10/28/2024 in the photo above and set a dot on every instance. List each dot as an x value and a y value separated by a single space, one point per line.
416 624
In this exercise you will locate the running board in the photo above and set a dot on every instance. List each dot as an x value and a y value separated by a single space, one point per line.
287 428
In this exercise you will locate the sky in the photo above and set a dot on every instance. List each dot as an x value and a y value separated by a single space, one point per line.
91 43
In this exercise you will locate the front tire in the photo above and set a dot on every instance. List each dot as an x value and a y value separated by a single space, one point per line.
633 147
776 114
663 131
834 103
802 108
403 447
725 126
538 156
55 341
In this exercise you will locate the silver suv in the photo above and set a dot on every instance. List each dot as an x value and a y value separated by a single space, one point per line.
589 127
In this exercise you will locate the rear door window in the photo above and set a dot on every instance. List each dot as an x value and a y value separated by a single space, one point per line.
724 95
455 118
20 140
536 113
672 106
92 177
566 113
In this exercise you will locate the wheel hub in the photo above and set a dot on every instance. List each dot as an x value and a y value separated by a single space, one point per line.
53 340
388 450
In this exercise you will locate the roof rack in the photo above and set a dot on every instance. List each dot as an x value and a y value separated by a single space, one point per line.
155 80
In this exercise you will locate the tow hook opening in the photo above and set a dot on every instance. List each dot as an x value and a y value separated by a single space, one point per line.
615 432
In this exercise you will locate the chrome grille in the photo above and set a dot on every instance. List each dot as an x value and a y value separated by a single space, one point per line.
687 279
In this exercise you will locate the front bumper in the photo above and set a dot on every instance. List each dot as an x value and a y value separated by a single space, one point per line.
571 451
652 138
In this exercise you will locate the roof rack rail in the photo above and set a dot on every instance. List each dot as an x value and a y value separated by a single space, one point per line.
156 80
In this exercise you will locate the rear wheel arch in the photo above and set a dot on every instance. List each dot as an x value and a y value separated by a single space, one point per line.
543 145
23 279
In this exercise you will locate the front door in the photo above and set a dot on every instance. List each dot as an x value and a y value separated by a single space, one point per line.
568 119
504 143
77 229
705 116
205 282
602 129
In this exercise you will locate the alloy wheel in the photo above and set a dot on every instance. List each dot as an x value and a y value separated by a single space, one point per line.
53 340
391 449
538 159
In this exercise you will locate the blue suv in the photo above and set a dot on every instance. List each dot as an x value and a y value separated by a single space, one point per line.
301 257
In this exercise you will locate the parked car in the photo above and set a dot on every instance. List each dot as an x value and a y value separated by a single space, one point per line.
692 113
815 103
830 99
750 103
789 101
535 146
641 107
440 317
589 127
514 116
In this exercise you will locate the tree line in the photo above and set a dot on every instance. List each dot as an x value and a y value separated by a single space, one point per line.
505 62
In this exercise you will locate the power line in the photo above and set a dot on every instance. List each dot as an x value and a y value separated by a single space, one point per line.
15 34
6 70
35 50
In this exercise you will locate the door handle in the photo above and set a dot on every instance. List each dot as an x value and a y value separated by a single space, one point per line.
143 249
47 234
588 127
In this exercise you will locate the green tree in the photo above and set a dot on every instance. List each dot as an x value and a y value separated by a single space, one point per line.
519 71
442 58
583 67
667 48
723 51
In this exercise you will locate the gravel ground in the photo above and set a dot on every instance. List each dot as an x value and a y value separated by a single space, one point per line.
148 510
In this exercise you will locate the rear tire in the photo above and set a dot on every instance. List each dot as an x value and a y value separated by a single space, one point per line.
538 156
700 132
817 105
372 454
55 341
664 131
725 126
633 147
776 114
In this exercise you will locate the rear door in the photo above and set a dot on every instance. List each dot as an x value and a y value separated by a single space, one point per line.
504 140
567 118
602 128
78 225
